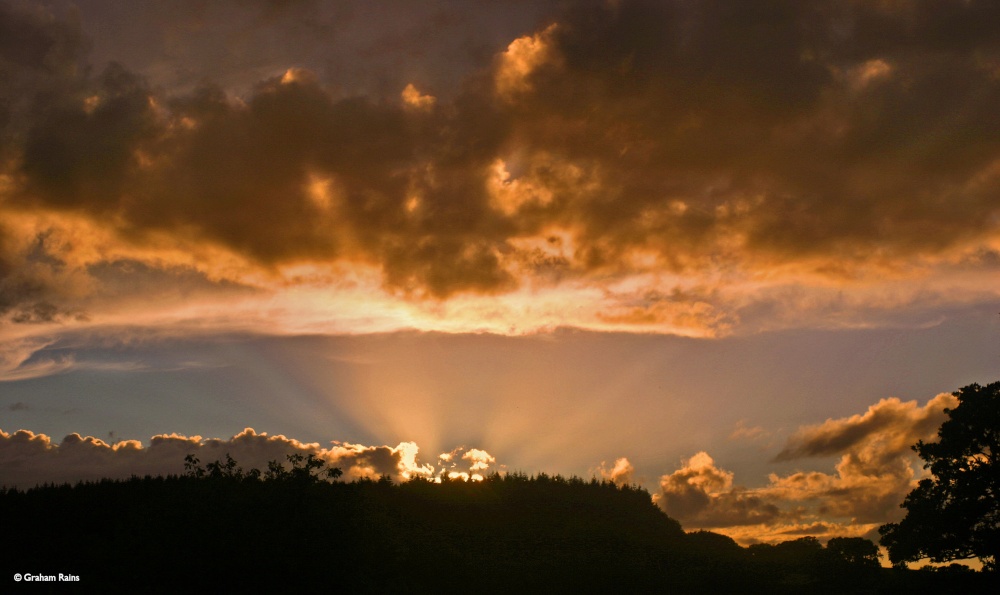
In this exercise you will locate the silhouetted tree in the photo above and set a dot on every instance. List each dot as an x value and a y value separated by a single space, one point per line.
955 514
303 469
853 550
192 467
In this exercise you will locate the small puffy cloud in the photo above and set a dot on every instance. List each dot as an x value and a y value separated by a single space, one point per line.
750 433
415 99
869 72
521 59
468 464
408 466
479 460
621 473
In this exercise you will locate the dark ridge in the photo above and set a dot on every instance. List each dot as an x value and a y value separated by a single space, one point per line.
222 530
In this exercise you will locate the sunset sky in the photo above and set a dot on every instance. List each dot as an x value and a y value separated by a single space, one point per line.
738 253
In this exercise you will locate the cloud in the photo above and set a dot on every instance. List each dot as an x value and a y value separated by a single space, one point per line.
479 463
36 287
621 473
869 481
480 460
683 167
28 459
19 360
891 426
752 433
701 495
520 60
875 470
738 113
415 99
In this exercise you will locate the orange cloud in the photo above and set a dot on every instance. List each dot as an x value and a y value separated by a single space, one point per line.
873 475
415 99
521 59
621 473
625 171
479 463
701 495
889 428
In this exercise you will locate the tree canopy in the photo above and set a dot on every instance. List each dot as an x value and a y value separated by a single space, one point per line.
955 514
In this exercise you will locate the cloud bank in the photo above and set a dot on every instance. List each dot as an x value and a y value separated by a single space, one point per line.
696 168
28 459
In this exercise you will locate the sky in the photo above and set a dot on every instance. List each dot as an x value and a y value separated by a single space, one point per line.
739 253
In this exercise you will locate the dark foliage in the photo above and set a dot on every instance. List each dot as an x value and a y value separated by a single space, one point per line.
222 529
956 513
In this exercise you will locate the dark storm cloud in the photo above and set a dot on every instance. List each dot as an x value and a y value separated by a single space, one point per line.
78 153
38 55
370 47
808 128
32 282
41 62
296 174
704 133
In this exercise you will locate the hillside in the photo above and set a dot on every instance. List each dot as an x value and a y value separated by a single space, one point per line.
226 530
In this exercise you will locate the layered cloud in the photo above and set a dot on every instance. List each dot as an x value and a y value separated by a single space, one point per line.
697 168
28 459
873 474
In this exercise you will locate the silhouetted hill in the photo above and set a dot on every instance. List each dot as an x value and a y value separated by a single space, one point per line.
509 533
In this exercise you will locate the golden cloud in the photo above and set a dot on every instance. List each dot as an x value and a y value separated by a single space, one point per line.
873 475
620 473
634 159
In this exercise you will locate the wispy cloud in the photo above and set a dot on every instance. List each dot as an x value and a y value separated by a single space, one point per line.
20 360
750 433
